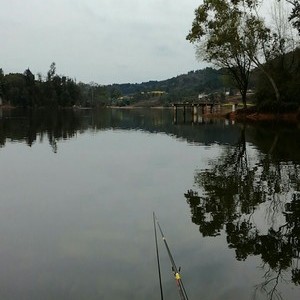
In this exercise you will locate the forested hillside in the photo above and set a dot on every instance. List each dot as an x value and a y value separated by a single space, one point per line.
180 88
193 82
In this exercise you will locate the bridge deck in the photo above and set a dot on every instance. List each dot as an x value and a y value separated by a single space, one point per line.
193 104
195 109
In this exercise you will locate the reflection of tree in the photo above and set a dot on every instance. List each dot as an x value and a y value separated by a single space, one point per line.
232 191
29 125
56 124
280 249
229 191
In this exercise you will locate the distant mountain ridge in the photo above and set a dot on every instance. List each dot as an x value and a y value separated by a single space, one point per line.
207 80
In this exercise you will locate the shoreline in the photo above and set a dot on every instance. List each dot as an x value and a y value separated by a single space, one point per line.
239 115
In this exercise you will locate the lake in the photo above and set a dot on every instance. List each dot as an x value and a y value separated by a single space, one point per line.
78 189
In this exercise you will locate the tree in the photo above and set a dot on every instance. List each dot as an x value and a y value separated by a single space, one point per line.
230 33
266 47
29 90
222 36
14 87
51 71
273 46
1 83
295 14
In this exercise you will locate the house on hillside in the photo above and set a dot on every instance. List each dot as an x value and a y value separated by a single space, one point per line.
156 93
202 97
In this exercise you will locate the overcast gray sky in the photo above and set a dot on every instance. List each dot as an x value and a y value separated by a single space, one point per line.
106 41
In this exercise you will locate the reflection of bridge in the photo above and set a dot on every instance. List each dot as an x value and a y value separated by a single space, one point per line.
195 109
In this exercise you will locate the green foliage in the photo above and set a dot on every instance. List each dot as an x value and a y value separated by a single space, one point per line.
286 72
60 91
184 87
221 30
1 82
15 88
295 14
51 72
93 94
229 33
56 91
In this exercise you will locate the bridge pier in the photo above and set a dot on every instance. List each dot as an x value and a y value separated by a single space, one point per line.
194 110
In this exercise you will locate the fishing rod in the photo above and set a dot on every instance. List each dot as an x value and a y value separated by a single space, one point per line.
176 271
157 258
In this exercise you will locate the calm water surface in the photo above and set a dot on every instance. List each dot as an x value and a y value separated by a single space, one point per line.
78 189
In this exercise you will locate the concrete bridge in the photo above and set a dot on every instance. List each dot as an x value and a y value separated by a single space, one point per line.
195 109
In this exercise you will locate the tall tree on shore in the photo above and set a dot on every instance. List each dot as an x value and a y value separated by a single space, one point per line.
231 34
221 34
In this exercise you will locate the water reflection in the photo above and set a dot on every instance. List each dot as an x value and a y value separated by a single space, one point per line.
251 193
31 126
65 221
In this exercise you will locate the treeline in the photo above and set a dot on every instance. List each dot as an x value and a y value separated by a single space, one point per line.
29 90
25 90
